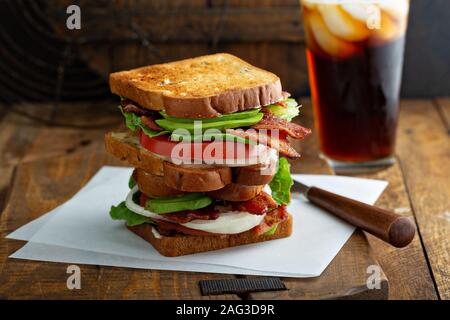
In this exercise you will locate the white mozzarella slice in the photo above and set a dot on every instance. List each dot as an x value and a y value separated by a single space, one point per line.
228 223
231 222
130 204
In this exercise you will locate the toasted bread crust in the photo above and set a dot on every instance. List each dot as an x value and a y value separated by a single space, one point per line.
201 87
153 185
183 244
173 178
236 192
127 148
254 175
195 179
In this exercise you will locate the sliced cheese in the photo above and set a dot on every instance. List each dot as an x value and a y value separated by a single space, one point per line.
231 222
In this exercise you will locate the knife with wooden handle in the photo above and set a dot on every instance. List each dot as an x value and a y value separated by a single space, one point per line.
385 225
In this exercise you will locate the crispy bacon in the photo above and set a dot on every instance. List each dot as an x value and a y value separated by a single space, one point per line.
259 205
149 121
172 229
272 218
272 122
148 117
283 146
131 107
208 213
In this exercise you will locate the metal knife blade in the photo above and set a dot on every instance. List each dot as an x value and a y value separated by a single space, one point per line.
299 190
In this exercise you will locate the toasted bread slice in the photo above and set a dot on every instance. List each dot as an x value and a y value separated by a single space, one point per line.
255 175
183 244
191 179
127 147
175 178
188 179
236 192
202 87
153 185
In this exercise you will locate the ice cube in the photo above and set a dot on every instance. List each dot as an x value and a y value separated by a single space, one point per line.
341 24
398 9
388 29
310 4
357 10
327 41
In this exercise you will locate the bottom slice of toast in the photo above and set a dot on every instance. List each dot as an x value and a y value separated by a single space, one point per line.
185 244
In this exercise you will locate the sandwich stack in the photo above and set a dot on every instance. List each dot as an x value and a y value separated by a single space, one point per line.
208 138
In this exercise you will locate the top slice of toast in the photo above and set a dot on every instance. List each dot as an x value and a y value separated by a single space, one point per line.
201 87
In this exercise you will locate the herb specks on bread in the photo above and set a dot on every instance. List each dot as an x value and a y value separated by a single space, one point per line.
202 87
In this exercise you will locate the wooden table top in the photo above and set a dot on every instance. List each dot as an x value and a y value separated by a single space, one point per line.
418 186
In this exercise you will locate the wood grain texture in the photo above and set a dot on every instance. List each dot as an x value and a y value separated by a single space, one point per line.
346 276
6 177
443 107
406 268
424 153
268 34
163 21
47 174
349 266
40 186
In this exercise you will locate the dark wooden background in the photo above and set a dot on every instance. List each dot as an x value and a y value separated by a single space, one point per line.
122 34
268 33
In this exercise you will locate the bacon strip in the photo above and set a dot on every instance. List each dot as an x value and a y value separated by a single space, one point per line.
272 122
149 121
186 216
272 218
172 229
259 205
148 117
283 146
130 107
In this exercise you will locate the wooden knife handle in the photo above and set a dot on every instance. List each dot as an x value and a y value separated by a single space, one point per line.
388 226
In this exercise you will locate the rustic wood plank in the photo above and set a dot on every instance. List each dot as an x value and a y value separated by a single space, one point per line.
443 106
424 153
6 171
24 140
255 3
43 182
406 265
6 177
345 277
200 24
286 60
398 264
42 185
47 175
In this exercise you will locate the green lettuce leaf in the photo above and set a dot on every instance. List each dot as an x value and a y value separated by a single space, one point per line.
288 112
224 117
121 212
131 182
219 123
282 182
187 201
210 137
134 122
272 230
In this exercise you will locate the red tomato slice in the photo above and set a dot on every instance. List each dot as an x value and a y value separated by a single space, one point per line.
163 146
160 145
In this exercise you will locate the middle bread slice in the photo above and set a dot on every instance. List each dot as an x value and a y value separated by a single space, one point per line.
175 179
